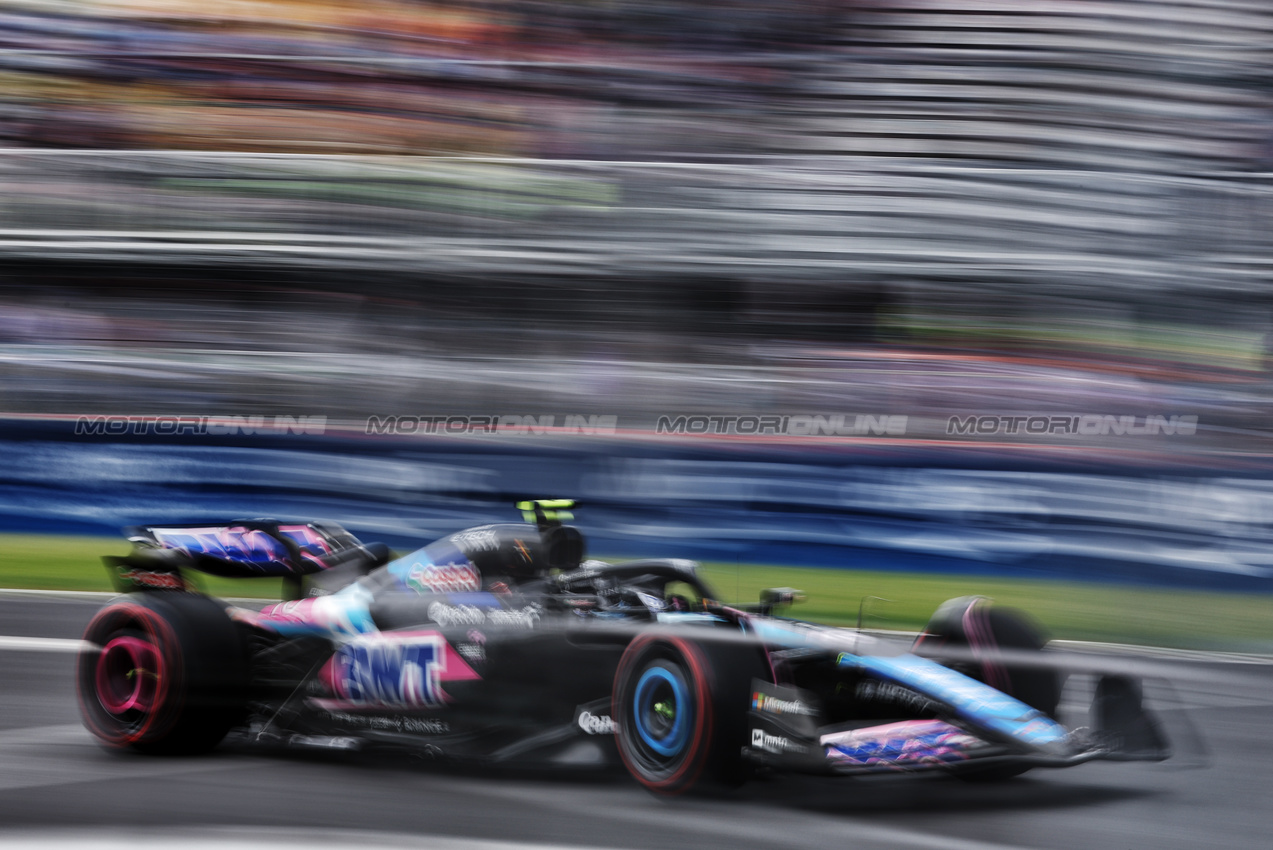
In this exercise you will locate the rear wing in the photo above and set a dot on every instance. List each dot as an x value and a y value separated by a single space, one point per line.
258 548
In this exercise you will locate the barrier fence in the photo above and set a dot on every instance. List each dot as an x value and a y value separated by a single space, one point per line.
936 510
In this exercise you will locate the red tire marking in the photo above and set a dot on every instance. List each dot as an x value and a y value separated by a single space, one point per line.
165 643
695 759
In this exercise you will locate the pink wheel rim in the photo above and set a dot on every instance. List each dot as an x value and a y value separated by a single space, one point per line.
128 675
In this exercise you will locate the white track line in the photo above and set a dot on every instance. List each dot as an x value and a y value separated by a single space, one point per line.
58 594
265 839
45 734
38 644
205 838
1163 652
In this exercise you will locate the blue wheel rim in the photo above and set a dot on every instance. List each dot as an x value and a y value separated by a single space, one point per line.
658 684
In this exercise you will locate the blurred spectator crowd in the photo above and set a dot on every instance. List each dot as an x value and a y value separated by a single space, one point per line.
503 77
623 182
1123 85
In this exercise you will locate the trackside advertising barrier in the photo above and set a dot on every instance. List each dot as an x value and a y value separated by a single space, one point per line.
878 502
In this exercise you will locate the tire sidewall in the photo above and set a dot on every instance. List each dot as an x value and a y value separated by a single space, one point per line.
203 673
685 768
117 619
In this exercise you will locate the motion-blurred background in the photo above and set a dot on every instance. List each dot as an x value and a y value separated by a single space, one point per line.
637 208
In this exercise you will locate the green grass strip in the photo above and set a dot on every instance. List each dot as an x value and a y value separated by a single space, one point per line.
1071 610
55 562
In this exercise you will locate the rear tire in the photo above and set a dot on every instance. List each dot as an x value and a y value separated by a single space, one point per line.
681 706
164 674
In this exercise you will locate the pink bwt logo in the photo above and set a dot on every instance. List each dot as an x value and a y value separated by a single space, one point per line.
389 672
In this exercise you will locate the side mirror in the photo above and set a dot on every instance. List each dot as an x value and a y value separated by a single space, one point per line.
772 598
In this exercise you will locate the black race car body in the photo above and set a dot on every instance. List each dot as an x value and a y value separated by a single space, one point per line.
500 644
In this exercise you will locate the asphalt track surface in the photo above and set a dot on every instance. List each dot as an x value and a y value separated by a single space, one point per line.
58 788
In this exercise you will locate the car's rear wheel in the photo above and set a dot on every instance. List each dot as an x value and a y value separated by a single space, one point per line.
162 674
680 707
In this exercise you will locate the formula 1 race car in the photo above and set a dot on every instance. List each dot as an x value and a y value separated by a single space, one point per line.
502 645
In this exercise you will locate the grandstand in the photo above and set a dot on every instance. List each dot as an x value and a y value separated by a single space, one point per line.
665 171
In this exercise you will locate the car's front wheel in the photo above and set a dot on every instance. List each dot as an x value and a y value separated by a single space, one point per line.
680 707
974 625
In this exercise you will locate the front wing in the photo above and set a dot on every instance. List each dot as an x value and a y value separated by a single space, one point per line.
786 732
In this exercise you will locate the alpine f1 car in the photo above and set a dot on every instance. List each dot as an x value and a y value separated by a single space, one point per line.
502 645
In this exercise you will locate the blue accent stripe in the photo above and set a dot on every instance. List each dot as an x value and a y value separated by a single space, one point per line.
973 701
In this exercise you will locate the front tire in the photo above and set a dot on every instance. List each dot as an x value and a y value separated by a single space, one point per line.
163 674
680 706
973 623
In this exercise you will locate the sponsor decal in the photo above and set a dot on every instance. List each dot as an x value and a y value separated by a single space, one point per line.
762 740
392 723
325 742
596 724
477 540
456 615
390 672
149 578
401 669
444 578
773 705
447 615
525 617
474 653
872 691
